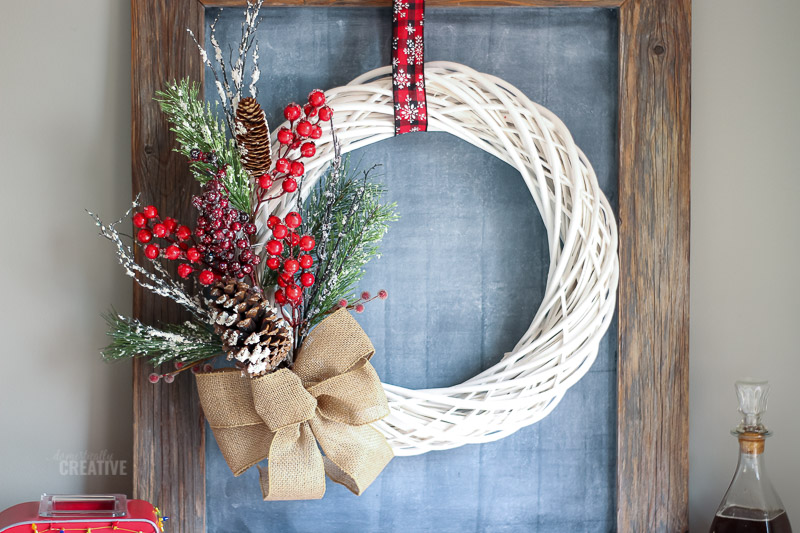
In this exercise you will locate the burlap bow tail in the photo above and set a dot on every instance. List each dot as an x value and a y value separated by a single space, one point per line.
330 397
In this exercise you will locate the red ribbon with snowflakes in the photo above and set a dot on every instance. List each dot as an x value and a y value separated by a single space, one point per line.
408 67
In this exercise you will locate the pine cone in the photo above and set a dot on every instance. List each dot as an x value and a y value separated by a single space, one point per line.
252 137
252 332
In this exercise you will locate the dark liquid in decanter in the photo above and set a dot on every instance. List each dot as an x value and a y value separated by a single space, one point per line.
741 520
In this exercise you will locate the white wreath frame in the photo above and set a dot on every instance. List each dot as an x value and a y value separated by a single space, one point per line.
578 305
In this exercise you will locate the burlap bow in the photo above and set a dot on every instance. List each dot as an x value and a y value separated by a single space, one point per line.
330 397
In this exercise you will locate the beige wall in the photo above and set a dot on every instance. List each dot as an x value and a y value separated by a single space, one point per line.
745 245
64 146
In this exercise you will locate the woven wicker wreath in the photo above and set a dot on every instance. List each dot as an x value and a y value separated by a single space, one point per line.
562 341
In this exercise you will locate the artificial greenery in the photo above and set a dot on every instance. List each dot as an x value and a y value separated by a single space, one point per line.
187 342
196 125
345 216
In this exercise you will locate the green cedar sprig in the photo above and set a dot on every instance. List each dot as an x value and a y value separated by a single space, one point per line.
187 342
196 125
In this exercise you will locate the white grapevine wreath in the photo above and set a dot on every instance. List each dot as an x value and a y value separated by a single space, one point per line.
562 341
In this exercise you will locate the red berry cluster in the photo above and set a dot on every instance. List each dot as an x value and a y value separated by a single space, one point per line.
219 246
178 238
289 256
297 142
222 234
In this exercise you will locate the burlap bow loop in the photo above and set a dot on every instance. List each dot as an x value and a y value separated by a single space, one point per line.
328 399
270 393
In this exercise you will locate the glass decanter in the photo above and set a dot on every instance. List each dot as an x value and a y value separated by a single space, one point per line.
751 503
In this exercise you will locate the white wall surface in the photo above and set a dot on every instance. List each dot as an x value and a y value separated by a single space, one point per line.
65 146
745 294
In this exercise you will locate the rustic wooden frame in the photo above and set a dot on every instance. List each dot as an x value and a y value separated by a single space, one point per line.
653 305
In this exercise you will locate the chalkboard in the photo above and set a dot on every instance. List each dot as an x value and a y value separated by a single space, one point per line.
465 268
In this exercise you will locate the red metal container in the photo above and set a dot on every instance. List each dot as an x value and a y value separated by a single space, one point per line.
82 514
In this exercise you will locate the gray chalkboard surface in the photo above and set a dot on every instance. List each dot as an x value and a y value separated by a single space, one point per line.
465 268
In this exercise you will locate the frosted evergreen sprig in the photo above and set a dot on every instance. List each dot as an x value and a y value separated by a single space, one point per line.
345 215
324 222
186 343
197 126
158 282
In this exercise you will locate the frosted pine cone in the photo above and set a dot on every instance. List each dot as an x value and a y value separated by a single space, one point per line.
252 333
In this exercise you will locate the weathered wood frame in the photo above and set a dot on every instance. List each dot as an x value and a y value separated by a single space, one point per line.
653 305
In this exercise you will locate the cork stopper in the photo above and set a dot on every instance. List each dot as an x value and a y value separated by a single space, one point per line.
751 443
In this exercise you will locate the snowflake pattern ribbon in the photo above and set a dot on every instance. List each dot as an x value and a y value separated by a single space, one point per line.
408 66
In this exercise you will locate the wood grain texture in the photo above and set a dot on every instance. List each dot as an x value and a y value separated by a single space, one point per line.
169 439
653 373
428 3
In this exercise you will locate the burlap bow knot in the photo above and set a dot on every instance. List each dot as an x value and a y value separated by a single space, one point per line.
330 397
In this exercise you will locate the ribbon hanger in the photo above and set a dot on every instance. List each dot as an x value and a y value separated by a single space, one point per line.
408 66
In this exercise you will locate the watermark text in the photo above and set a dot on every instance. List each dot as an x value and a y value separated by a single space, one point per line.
88 463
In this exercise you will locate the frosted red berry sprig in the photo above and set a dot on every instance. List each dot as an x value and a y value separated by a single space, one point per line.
358 304
219 245
296 143
197 367
222 236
